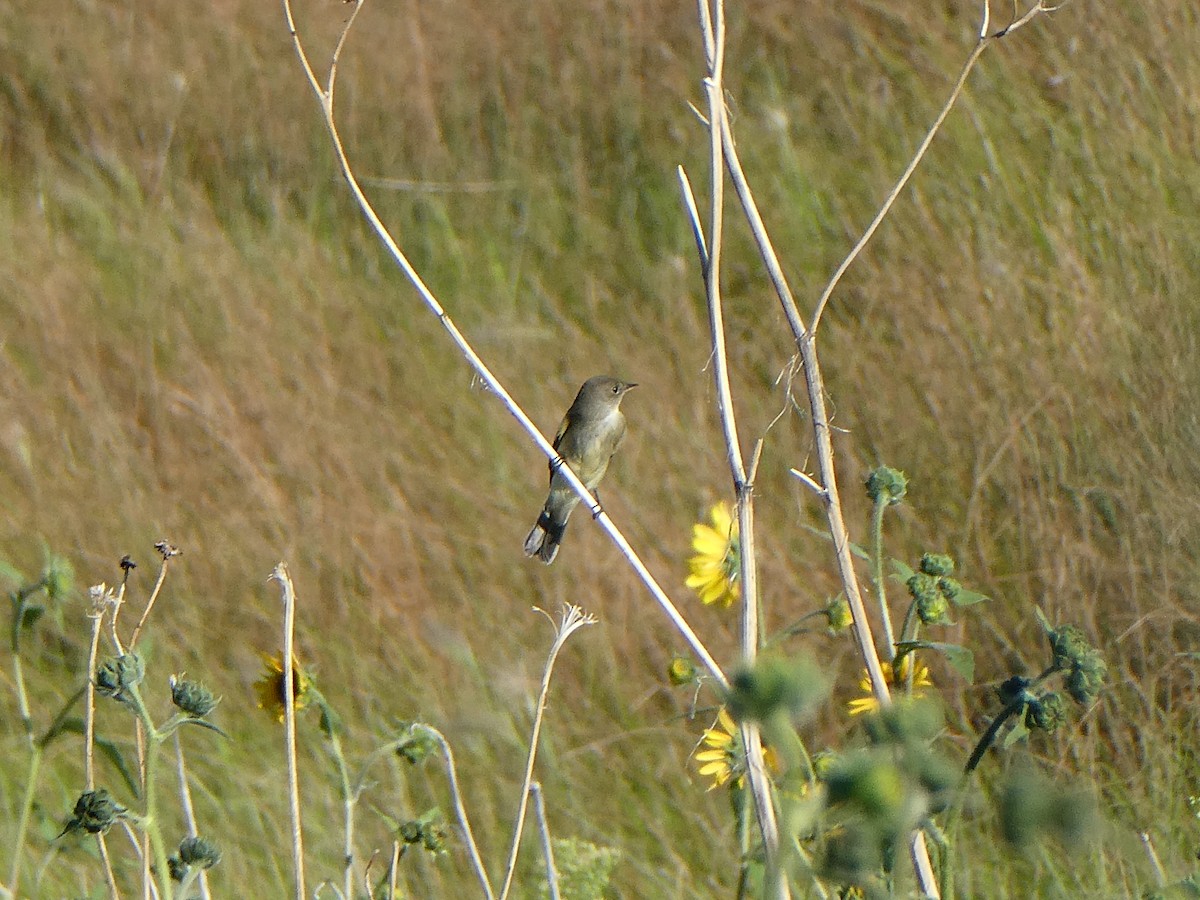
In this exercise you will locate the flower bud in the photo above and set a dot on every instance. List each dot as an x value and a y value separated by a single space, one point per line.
886 485
192 697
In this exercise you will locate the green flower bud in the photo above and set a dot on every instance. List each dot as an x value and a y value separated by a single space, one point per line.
192 697
772 687
95 812
906 721
1069 644
196 851
416 746
922 585
410 831
871 782
115 676
936 564
837 614
938 776
681 671
852 854
885 485
1087 678
949 588
433 838
178 868
1047 714
933 609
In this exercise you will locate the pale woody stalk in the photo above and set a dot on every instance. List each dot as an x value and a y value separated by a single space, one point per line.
713 31
326 97
805 336
280 574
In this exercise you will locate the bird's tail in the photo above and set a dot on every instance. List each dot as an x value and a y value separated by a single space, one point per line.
545 537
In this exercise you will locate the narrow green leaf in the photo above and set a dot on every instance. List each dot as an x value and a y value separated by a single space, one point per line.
1016 733
961 659
204 724
854 548
9 572
969 598
113 752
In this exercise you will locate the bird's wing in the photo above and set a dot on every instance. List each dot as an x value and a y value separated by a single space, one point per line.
562 429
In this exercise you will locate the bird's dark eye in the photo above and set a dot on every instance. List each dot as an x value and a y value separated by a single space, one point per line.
616 389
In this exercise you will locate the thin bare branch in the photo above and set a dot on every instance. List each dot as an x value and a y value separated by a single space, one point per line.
460 809
982 44
712 24
811 484
539 812
573 618
489 379
280 574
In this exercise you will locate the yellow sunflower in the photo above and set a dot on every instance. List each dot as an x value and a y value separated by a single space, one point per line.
271 685
896 681
715 568
725 757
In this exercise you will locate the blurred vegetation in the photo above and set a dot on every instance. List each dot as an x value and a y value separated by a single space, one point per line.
202 342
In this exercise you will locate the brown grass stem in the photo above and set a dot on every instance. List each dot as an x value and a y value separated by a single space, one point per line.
325 97
573 618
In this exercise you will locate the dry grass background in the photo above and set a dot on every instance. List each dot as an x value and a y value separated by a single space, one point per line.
200 341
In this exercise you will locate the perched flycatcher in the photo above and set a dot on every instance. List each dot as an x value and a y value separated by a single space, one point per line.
589 435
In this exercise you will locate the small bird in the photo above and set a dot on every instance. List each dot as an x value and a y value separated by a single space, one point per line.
589 435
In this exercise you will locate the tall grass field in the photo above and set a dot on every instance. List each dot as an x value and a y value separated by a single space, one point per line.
203 343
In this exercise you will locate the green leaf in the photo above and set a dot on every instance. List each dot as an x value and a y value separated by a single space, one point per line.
969 598
902 571
64 723
9 572
1043 621
961 659
825 535
30 614
113 752
203 723
1017 732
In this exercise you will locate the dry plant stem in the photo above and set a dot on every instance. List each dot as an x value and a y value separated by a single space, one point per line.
189 813
573 619
162 576
109 877
349 800
392 872
985 40
325 96
89 710
117 604
459 809
712 21
280 574
805 339
89 743
140 746
828 492
539 812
